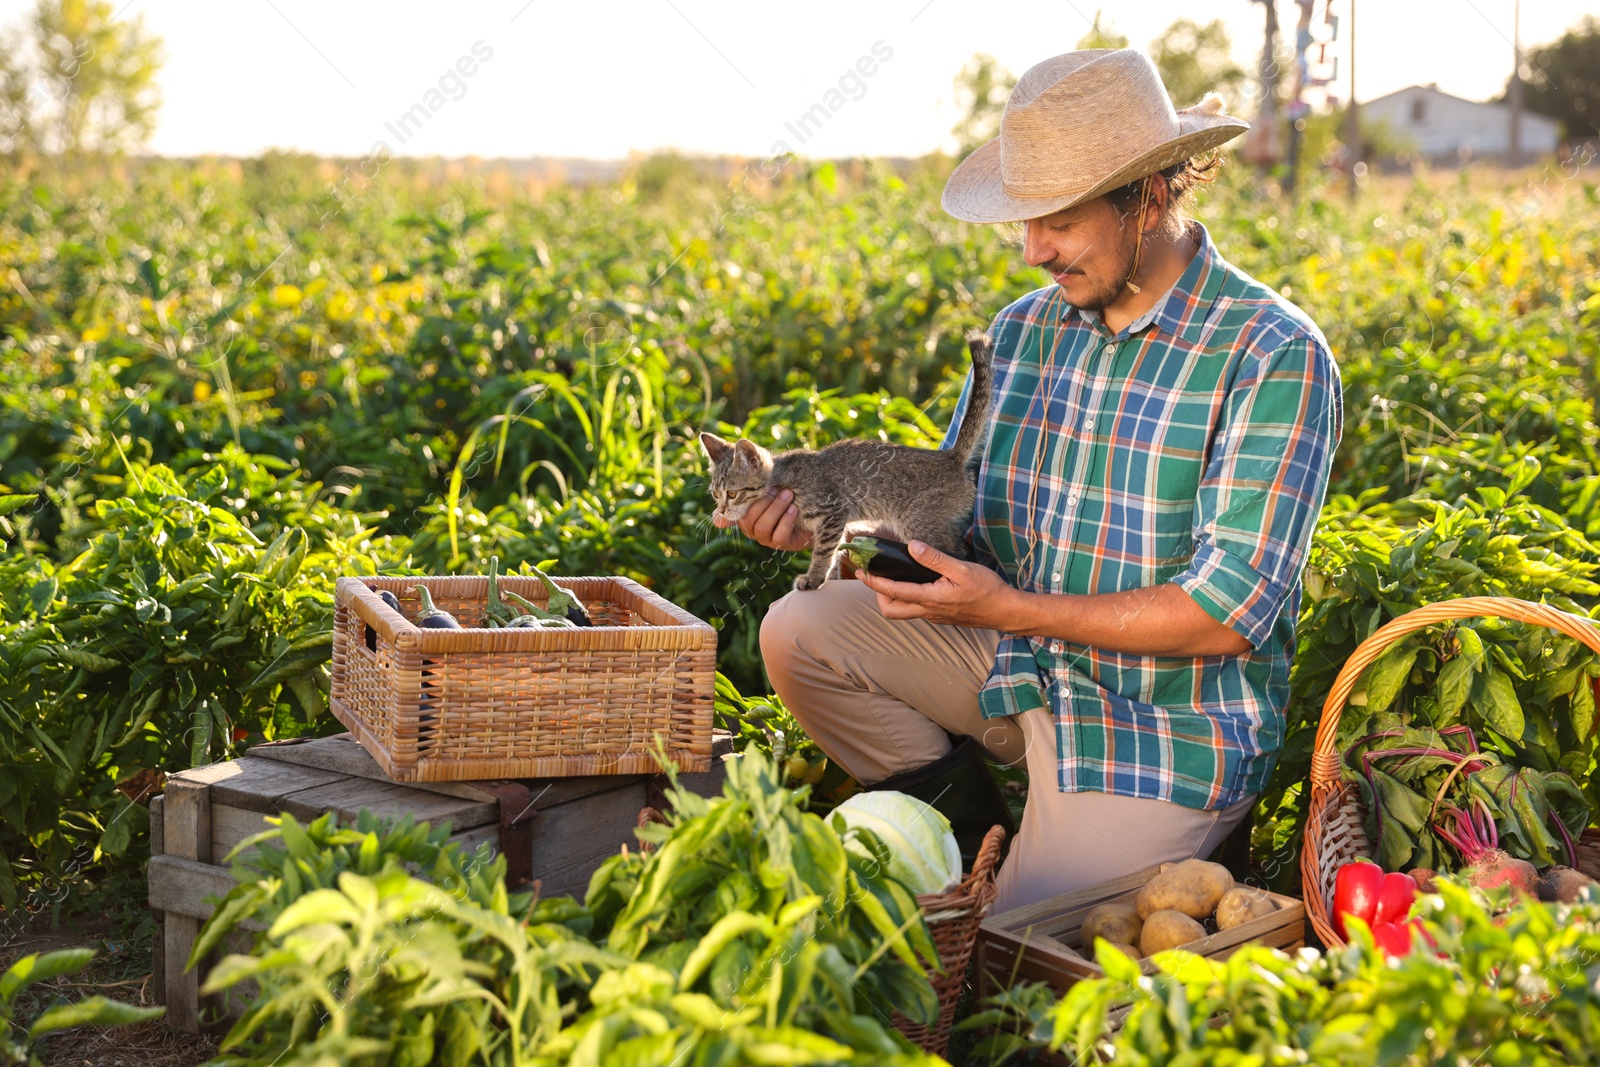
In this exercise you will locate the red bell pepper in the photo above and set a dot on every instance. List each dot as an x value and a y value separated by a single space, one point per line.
1395 897
1420 933
1396 939
1393 939
1356 890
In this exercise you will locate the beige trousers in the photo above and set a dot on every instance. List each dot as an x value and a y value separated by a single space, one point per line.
879 695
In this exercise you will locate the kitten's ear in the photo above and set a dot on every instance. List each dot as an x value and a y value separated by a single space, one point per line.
715 446
749 449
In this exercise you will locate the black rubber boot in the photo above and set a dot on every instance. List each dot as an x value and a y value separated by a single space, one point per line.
959 786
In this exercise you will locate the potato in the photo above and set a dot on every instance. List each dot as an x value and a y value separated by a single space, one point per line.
1192 887
1167 929
1241 904
1126 949
1114 922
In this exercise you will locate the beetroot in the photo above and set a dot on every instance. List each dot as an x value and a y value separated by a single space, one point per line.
1492 869
1472 831
1563 884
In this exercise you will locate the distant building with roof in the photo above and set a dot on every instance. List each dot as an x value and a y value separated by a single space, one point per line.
1441 128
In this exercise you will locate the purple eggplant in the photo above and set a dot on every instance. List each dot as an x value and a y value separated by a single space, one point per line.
884 558
430 617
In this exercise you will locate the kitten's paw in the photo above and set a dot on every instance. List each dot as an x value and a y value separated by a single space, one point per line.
803 583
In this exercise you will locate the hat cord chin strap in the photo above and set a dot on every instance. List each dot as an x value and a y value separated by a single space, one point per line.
1138 245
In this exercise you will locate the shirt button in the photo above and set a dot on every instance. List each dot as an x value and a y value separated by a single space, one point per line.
1055 577
1088 424
1110 350
1072 500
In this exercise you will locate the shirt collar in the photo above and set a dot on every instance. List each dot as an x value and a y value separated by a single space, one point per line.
1181 310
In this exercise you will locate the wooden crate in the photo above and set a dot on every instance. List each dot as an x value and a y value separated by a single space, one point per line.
1040 942
555 830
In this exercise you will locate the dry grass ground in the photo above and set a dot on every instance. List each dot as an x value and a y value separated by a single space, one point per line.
121 971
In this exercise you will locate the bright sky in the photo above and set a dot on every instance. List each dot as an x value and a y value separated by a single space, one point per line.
602 79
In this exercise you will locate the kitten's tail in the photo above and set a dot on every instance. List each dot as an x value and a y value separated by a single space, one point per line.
975 422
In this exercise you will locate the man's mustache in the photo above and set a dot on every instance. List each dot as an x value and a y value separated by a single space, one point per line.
1064 266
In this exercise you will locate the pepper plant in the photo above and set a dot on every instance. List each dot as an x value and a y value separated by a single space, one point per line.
1504 989
175 634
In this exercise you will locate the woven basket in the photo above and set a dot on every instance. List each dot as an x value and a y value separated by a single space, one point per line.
445 705
1334 834
953 921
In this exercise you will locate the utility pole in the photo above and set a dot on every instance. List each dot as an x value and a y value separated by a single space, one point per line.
1515 91
1352 122
1261 144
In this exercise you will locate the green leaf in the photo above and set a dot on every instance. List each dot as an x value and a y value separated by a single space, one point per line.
119 831
240 903
42 594
91 661
199 734
38 968
10 502
1453 688
148 608
1581 709
1497 703
1388 676
91 1011
1522 473
316 907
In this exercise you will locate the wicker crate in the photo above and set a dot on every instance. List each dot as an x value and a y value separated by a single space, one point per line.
472 704
1040 942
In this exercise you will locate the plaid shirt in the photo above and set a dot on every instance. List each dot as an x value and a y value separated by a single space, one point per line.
1192 447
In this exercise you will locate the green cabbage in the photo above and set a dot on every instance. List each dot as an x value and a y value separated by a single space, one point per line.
923 855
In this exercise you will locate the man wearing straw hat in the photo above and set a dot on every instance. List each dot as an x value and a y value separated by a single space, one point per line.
1159 447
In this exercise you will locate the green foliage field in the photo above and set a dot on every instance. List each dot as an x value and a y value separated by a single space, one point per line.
415 374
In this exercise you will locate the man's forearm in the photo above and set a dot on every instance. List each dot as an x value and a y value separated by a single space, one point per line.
1159 620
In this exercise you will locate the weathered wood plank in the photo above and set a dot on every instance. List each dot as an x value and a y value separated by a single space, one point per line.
237 999
342 755
181 992
181 887
469 840
263 783
186 819
158 955
230 825
390 801
157 844
571 840
708 783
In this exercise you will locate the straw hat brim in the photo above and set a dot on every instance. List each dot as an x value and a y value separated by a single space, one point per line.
976 192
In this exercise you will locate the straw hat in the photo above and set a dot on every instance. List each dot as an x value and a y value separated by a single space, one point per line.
1078 126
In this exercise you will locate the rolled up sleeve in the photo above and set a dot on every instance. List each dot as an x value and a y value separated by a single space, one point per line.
1263 486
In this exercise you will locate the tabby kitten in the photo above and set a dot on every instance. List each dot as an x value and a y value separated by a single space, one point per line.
916 493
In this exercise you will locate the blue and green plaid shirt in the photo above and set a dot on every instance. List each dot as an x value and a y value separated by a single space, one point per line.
1192 447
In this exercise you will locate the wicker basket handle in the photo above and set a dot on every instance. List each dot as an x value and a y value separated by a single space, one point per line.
988 854
1325 756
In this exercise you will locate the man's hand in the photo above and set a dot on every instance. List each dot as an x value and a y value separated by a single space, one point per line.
968 594
771 522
